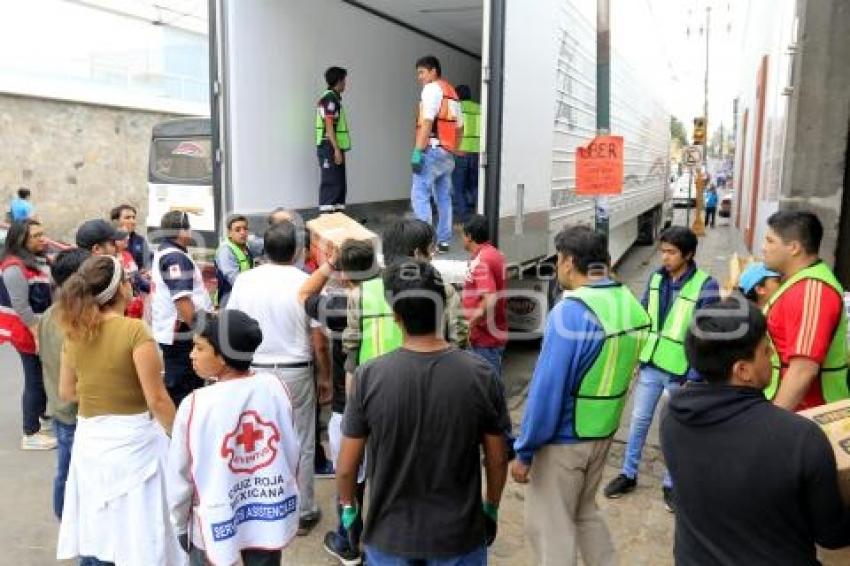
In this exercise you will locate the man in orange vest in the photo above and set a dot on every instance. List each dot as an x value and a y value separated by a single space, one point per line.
439 128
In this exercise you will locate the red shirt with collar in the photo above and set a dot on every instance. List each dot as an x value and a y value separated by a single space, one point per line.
486 275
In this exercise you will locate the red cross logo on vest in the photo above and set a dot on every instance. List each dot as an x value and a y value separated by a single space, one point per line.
252 444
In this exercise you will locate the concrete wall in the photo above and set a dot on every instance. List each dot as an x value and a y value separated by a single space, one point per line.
815 155
79 160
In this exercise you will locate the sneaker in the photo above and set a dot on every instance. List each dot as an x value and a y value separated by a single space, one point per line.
443 248
37 441
620 486
338 547
325 471
308 522
669 500
46 424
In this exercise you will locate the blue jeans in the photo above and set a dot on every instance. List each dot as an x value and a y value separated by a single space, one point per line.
651 384
435 178
465 186
375 557
34 399
493 356
64 443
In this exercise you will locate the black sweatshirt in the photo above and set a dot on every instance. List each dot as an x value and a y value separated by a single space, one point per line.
753 483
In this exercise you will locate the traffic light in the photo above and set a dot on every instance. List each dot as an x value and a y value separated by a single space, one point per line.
699 131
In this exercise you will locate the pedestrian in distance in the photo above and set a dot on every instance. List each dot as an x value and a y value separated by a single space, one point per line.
710 206
333 141
755 484
229 438
179 295
439 128
232 257
51 339
290 348
758 283
115 501
423 413
806 320
24 295
591 345
674 293
21 208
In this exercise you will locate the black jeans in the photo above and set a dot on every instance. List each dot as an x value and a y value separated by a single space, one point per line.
710 216
34 399
180 377
250 557
332 186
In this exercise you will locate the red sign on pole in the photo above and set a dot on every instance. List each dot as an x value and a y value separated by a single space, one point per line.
599 167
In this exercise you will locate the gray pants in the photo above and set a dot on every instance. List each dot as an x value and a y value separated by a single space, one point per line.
302 394
561 517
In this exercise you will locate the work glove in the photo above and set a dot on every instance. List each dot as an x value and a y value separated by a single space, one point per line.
416 161
491 521
349 515
184 541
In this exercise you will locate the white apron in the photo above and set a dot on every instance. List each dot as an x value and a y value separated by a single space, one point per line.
115 503
243 451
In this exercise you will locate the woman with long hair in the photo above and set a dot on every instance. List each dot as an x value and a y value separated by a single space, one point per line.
24 295
115 503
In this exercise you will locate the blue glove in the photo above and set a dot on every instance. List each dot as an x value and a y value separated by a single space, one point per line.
349 515
416 161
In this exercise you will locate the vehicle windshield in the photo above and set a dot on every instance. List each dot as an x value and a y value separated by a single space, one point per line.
185 161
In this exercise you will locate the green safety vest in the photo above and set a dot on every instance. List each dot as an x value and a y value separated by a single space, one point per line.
665 348
600 394
471 142
379 332
343 139
833 372
242 258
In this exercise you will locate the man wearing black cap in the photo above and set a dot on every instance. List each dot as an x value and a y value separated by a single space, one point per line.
178 294
99 236
234 445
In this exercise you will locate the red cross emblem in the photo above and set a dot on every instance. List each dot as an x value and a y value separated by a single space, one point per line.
252 444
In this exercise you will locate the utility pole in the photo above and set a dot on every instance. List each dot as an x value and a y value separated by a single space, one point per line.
698 226
603 100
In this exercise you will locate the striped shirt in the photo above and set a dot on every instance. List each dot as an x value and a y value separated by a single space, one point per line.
801 324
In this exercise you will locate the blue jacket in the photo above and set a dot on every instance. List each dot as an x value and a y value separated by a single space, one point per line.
572 340
711 199
670 289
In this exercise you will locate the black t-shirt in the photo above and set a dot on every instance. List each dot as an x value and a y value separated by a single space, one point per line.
330 310
425 415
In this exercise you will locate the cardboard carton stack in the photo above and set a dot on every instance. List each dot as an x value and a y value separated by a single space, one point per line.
834 419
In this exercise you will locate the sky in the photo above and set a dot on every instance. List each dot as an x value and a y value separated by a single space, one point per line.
686 56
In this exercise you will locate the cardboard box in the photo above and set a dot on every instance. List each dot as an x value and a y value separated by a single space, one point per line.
834 419
329 231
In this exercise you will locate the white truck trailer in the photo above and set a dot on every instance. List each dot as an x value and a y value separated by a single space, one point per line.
532 64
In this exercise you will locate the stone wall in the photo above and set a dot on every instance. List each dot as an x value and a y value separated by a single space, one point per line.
78 160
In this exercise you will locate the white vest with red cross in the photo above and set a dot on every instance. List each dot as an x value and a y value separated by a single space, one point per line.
244 459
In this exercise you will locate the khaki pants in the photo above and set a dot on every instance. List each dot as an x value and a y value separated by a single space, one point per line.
561 515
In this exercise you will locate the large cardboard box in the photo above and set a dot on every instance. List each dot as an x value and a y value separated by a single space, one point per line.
329 231
834 419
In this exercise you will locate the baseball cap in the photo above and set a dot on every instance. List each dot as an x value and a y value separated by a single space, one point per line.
97 231
753 275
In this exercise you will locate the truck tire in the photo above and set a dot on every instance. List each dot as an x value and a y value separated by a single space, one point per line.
649 227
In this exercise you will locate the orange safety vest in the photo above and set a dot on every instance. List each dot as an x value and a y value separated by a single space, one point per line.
445 124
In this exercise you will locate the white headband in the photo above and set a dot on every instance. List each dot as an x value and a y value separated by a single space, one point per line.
107 294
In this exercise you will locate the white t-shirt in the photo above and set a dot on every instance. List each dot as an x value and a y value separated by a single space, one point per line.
432 96
269 294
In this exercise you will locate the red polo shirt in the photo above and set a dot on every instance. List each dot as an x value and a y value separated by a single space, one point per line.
486 275
801 324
